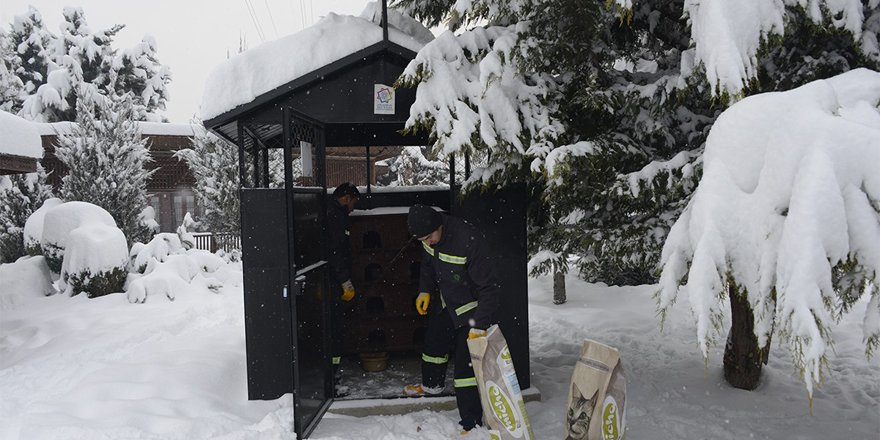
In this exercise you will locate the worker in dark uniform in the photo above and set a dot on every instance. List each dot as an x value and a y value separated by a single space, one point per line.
459 286
339 256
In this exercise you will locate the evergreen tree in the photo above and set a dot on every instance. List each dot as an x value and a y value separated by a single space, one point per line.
412 167
31 46
106 156
138 71
23 195
55 71
214 164
12 92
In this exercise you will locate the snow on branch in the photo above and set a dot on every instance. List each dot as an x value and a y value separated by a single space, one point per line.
788 211
472 92
727 34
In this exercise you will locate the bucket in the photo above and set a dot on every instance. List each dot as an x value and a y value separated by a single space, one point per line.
373 362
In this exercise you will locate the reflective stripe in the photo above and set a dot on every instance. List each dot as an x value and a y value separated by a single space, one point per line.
435 360
466 308
466 382
452 258
428 249
337 360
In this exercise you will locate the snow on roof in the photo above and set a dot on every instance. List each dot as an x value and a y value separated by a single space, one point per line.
242 78
19 137
147 128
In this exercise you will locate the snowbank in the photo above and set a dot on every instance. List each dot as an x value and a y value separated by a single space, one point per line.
19 137
164 267
23 280
270 65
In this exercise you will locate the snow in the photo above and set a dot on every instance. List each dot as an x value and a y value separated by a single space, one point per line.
106 368
786 195
28 277
727 34
273 64
64 218
19 137
33 227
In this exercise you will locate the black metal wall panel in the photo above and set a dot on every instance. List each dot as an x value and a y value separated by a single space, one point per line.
266 309
501 215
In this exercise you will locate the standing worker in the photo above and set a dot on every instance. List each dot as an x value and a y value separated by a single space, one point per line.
458 274
345 196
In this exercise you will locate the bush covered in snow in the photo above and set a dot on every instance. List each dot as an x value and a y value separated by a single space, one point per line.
27 277
61 220
95 261
166 267
33 227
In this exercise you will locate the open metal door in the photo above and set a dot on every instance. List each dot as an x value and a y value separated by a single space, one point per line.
501 216
310 304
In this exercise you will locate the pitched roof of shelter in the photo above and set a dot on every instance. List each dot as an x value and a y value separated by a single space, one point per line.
269 66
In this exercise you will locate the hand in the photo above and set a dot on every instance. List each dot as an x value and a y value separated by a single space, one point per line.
422 303
347 291
476 333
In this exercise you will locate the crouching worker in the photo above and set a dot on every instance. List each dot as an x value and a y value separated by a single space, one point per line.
459 287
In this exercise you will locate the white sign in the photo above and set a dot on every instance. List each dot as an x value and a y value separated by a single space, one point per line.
305 154
383 99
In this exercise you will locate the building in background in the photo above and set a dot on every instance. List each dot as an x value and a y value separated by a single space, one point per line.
20 147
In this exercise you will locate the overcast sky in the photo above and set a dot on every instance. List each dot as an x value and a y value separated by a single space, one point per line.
193 35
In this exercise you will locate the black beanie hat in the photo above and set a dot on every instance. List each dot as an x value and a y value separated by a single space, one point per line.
423 220
346 189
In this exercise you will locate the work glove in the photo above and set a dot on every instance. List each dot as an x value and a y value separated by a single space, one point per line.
476 333
347 291
422 303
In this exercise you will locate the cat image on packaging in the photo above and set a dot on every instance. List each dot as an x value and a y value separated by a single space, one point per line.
503 406
597 398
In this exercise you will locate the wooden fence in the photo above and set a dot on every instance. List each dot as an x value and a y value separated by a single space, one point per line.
214 241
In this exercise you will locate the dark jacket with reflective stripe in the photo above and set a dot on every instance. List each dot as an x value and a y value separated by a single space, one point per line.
338 243
459 269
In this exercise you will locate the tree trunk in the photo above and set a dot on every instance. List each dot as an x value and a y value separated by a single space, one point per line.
743 359
558 286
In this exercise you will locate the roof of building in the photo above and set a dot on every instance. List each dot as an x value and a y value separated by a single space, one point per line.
256 72
19 137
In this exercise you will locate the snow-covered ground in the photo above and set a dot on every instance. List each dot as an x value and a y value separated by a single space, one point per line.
103 368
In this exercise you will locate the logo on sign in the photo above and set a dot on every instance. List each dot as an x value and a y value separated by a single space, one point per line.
383 99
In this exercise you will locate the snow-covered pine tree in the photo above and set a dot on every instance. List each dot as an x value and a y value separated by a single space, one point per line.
12 92
106 156
23 195
214 164
138 71
81 56
32 45
412 167
785 224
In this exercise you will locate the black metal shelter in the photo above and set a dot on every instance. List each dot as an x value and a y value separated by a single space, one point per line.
282 138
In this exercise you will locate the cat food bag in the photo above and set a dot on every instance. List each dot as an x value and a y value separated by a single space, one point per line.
597 397
503 406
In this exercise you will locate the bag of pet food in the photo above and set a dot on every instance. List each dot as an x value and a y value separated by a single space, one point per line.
503 406
597 399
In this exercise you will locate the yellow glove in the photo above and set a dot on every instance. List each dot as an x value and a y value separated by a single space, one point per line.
347 291
422 303
476 333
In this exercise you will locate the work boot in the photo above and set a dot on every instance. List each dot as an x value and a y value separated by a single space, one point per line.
419 390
